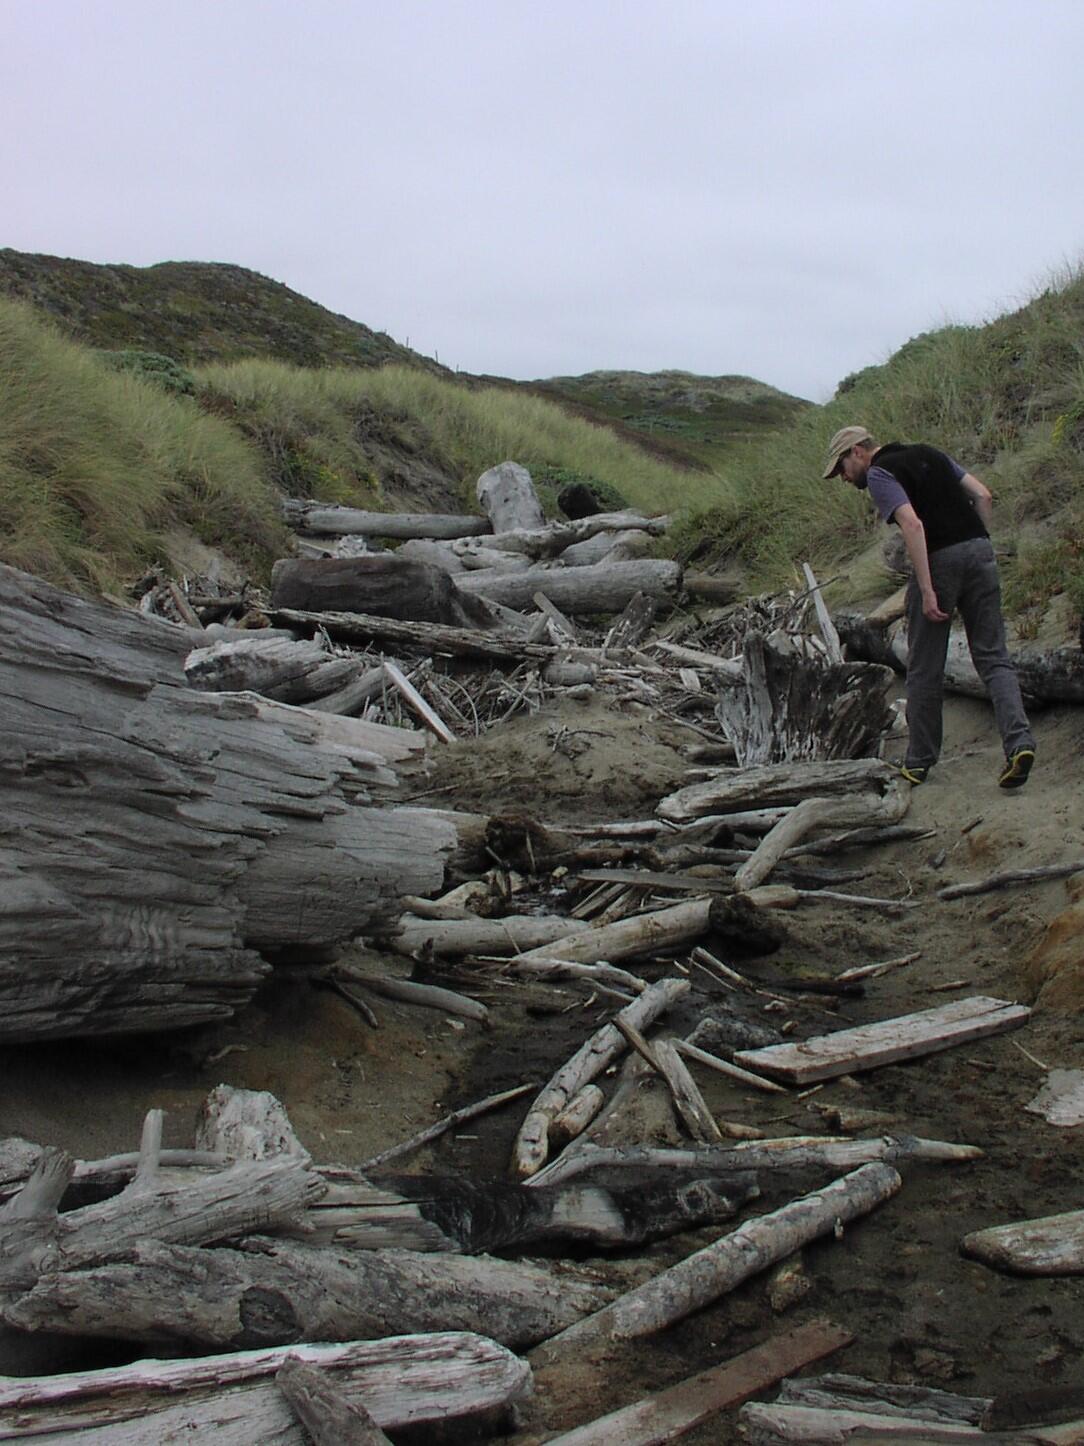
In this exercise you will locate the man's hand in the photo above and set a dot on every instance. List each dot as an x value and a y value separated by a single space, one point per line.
931 609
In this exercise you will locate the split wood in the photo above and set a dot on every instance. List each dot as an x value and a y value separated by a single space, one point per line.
871 1045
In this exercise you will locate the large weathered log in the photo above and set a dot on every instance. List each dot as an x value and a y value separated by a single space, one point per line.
602 588
773 784
785 707
380 585
467 642
507 494
154 836
328 520
291 672
1054 675
275 1292
232 1400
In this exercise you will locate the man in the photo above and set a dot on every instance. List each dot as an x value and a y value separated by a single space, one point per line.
944 514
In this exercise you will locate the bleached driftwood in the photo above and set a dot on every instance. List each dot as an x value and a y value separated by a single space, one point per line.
794 1152
328 1415
291 672
1052 1245
352 696
783 707
417 703
621 545
581 1109
474 935
232 1400
274 1292
157 836
507 495
551 540
605 587
704 1276
667 1063
773 784
868 1046
246 1125
629 938
327 519
865 810
429 996
667 1414
532 1141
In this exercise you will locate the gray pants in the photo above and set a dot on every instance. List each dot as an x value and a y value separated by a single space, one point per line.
965 579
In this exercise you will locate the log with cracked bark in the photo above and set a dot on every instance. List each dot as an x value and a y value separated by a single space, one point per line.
442 1379
599 588
156 836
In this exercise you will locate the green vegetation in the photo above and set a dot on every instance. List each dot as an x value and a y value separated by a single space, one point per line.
1006 399
95 464
704 416
151 366
359 436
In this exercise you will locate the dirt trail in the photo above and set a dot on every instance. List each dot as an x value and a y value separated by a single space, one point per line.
919 1310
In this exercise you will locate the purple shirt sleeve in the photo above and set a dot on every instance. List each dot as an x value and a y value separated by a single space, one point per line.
888 494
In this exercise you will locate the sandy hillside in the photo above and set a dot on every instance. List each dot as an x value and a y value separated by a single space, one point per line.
919 1310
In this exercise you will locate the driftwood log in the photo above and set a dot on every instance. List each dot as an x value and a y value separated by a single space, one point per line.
601 588
325 519
156 837
507 495
291 672
382 585
1055 675
773 784
232 1400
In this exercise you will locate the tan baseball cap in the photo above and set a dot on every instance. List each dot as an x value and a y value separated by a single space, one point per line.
843 441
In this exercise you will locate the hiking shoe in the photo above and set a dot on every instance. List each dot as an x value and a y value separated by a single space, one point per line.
1017 768
914 773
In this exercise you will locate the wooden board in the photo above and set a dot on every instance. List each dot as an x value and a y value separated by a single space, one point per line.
872 1045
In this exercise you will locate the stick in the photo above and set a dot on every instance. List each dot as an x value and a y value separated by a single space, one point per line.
429 996
874 971
431 720
1011 876
688 1101
743 1076
457 1117
329 1416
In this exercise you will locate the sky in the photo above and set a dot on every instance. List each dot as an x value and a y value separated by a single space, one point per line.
785 189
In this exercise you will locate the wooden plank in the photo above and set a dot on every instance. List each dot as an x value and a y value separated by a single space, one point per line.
871 1045
673 1412
1051 1245
556 616
828 628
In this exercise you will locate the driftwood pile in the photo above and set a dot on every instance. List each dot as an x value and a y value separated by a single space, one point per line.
188 805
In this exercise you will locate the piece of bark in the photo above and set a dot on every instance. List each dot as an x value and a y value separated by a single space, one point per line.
507 495
1051 1245
327 1414
774 784
672 1412
606 1044
602 588
232 1400
870 1046
417 703
634 624
246 1125
330 520
378 584
159 836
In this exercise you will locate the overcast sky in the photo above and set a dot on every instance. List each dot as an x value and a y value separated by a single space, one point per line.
788 189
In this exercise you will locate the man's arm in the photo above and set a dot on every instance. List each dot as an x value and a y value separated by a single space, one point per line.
981 498
914 539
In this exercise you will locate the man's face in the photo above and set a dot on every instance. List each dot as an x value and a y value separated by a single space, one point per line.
854 465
